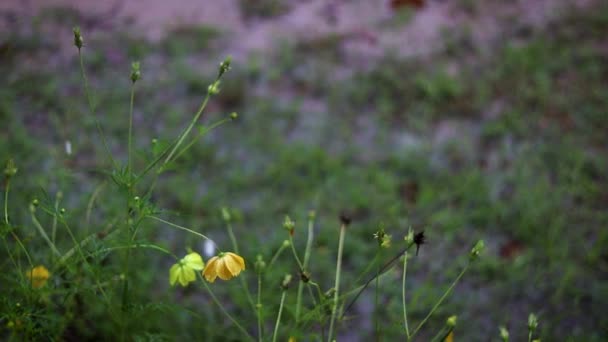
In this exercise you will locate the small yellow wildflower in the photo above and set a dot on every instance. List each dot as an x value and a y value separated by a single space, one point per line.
225 265
38 276
183 271
450 337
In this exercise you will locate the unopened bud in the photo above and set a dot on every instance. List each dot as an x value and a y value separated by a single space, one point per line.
214 88
532 322
10 170
504 334
476 250
135 72
226 214
224 66
78 41
289 225
286 281
260 264
451 321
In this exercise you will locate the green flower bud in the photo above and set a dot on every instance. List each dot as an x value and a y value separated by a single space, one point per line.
10 170
286 243
409 238
260 264
289 225
286 281
233 116
451 321
214 88
532 322
504 333
476 250
226 214
135 73
312 214
78 41
224 66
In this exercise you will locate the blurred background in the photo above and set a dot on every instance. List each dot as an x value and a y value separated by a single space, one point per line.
469 119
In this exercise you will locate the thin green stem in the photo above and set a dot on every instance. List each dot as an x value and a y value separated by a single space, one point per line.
225 312
43 233
259 308
304 268
84 259
8 186
187 130
447 292
407 329
530 336
199 135
295 254
337 284
376 300
235 245
384 269
441 334
130 146
6 220
276 255
185 229
242 279
138 245
92 109
276 326
58 198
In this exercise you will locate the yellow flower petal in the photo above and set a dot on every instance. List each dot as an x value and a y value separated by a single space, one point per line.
222 270
38 276
233 264
194 261
173 274
209 273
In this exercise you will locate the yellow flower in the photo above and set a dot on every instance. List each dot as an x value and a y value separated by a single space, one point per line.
38 276
225 265
183 271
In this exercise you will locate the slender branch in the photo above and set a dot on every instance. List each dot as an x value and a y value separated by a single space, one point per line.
447 292
276 326
337 284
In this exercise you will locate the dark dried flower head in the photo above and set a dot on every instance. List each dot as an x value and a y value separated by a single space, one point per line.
345 218
419 239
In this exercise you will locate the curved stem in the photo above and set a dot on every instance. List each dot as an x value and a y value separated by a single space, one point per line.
295 254
276 255
184 228
407 330
276 326
218 303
